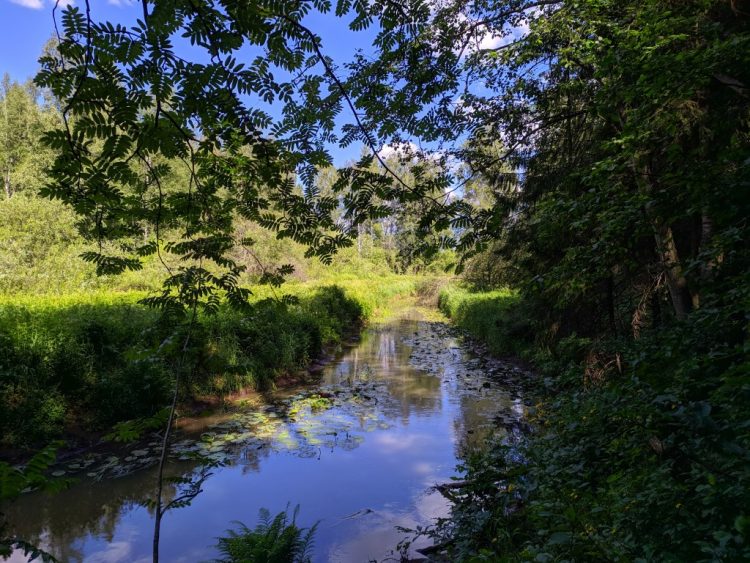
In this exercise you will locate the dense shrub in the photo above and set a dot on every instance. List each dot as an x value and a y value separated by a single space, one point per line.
273 338
640 451
63 362
499 318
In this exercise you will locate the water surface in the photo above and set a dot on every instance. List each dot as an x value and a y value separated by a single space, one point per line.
359 452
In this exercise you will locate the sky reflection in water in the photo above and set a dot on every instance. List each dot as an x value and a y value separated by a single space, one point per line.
420 401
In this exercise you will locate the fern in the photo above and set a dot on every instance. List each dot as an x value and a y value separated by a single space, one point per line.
274 540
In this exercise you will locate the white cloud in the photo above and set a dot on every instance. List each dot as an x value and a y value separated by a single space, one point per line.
33 4
392 442
115 552
39 4
408 150
489 39
399 149
121 3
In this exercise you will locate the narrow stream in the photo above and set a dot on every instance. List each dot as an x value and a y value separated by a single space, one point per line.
359 452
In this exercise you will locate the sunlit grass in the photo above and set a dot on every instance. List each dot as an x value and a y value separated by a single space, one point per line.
92 357
495 317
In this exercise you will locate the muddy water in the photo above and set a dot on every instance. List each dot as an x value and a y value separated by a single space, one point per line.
358 452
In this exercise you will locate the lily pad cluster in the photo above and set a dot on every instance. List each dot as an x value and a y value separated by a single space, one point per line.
466 365
98 465
305 424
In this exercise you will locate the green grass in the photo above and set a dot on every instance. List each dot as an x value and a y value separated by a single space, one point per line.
495 317
84 362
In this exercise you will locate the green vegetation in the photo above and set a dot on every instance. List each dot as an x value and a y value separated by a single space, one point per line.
631 456
625 237
495 317
64 361
84 362
309 405
26 112
274 540
593 155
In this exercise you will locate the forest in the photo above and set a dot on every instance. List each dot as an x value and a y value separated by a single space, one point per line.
377 280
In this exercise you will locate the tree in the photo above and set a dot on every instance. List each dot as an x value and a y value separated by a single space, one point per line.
23 157
625 124
130 103
610 114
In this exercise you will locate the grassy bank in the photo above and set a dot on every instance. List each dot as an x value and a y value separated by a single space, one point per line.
639 450
77 363
495 317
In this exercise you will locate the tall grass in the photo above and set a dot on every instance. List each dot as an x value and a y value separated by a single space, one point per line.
496 317
86 361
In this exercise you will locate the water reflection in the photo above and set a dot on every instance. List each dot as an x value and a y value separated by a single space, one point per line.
406 402
383 354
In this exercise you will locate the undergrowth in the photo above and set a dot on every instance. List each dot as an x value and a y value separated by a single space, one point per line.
645 457
495 317
273 540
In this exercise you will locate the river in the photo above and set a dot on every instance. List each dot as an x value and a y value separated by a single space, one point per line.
359 452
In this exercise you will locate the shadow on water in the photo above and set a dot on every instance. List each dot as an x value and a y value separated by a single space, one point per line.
359 451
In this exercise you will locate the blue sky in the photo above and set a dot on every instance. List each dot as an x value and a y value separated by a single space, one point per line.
28 24
25 30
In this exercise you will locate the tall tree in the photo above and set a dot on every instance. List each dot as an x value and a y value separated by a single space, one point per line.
23 157
625 124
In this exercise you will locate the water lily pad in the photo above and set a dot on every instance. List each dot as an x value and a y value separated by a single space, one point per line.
308 452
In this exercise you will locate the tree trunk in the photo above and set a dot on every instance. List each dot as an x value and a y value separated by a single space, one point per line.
6 184
666 249
682 301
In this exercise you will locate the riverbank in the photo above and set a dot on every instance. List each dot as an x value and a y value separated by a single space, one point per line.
629 457
75 365
361 449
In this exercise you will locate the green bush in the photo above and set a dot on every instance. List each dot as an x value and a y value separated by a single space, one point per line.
64 362
90 361
639 453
